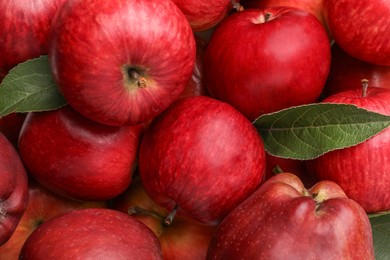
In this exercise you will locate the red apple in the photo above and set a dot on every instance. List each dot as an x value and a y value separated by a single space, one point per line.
77 157
201 157
346 72
92 234
10 126
360 28
24 30
42 206
204 15
256 61
121 62
361 170
13 189
183 239
283 220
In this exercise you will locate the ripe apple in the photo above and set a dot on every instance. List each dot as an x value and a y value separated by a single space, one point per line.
204 15
201 158
346 72
77 157
93 233
13 189
283 220
24 30
10 126
42 206
121 62
256 61
361 170
360 28
183 239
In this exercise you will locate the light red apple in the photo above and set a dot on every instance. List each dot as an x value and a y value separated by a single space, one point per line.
183 239
264 60
121 62
13 189
360 28
42 206
76 157
201 158
93 233
361 170
284 220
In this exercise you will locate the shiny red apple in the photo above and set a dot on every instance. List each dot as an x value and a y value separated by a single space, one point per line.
264 60
121 62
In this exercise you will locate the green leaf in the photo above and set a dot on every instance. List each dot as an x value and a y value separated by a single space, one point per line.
29 86
380 225
308 131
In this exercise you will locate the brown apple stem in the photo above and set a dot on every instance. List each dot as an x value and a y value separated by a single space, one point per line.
277 169
364 87
267 17
140 211
169 219
237 6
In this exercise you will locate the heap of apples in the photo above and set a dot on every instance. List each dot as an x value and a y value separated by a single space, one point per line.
155 155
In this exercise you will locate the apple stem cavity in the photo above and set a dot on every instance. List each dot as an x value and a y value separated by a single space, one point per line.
364 87
133 76
169 219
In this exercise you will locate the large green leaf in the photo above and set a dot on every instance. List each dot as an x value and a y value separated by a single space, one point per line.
29 86
308 131
380 225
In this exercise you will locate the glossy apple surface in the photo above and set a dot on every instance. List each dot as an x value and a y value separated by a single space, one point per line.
13 189
24 30
256 62
283 220
92 234
203 157
361 170
360 28
183 239
121 62
77 157
42 206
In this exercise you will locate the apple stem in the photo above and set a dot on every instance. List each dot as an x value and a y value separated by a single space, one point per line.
277 169
267 17
236 5
169 219
365 87
140 211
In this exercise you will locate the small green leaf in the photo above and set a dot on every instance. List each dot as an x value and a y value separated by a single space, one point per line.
308 131
380 225
29 86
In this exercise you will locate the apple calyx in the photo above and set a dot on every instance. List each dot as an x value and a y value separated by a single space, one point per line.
237 6
364 87
134 77
169 219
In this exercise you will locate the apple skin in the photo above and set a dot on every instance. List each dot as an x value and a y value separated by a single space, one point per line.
118 74
13 189
360 28
76 157
248 64
346 72
360 170
283 220
202 156
42 206
183 239
10 126
24 30
92 233
204 15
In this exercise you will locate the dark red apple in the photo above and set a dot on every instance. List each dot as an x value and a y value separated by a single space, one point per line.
42 206
13 189
121 62
204 15
92 234
10 126
264 60
77 157
24 30
283 220
346 72
361 170
360 28
183 239
201 157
